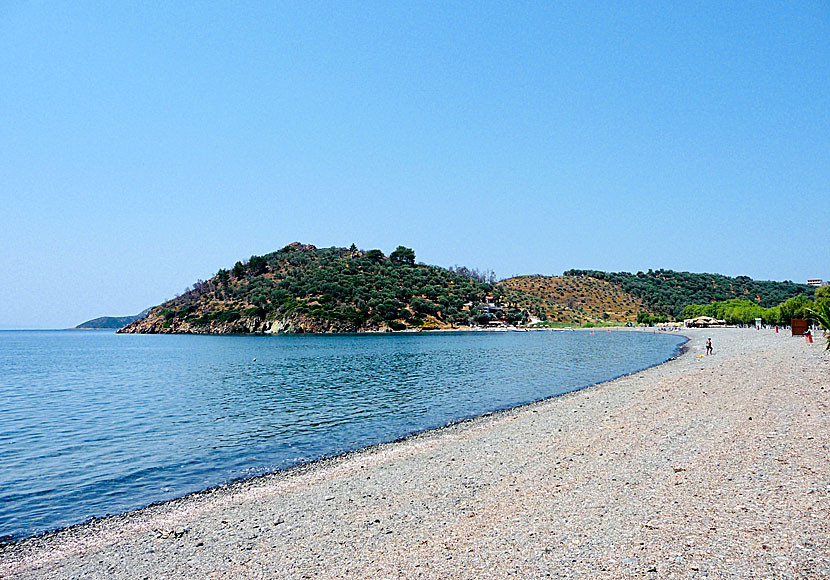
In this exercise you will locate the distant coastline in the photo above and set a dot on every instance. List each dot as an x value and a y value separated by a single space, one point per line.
111 322
305 289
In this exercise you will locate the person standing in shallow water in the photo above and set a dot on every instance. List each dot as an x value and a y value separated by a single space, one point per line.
708 346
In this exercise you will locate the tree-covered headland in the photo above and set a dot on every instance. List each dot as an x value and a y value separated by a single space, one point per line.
301 288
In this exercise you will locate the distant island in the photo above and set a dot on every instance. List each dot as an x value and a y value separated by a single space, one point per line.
111 322
302 288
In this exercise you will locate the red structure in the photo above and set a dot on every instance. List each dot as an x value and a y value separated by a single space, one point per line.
799 326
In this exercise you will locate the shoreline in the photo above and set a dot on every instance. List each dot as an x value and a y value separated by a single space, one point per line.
413 330
680 349
126 537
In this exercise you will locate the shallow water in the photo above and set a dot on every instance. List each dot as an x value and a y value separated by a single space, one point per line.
94 423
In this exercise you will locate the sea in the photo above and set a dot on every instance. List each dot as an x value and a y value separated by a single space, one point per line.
94 423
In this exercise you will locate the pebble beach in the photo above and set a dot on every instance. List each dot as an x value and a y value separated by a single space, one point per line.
702 467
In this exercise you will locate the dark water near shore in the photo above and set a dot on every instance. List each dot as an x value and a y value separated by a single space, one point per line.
93 423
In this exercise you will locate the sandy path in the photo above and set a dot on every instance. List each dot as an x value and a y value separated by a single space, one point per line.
712 467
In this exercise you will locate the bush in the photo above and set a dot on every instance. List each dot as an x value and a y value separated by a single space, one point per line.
403 255
255 312
422 306
228 316
389 309
374 255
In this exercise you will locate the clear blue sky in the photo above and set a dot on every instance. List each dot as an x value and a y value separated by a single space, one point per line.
146 145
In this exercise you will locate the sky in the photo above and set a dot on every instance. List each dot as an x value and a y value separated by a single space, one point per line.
146 145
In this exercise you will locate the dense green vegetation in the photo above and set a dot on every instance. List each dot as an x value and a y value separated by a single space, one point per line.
819 312
339 288
746 311
669 292
646 318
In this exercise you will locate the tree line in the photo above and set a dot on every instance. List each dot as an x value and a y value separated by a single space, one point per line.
668 292
745 311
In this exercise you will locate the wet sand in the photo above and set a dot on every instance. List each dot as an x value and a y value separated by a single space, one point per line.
712 467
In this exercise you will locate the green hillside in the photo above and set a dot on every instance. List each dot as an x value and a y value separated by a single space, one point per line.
111 322
305 289
669 292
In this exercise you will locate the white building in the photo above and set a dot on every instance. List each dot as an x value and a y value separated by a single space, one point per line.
814 282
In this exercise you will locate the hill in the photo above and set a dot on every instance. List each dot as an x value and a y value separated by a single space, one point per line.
669 291
305 289
572 299
113 322
301 288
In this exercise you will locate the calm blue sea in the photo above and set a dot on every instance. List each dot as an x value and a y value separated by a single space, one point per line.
95 423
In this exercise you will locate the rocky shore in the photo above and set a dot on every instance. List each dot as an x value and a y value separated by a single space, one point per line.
702 467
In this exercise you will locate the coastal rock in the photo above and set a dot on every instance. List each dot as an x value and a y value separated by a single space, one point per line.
155 323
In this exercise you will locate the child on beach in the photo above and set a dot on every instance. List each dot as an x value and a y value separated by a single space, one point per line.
708 346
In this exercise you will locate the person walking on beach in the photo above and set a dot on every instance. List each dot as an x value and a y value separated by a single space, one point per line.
708 346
